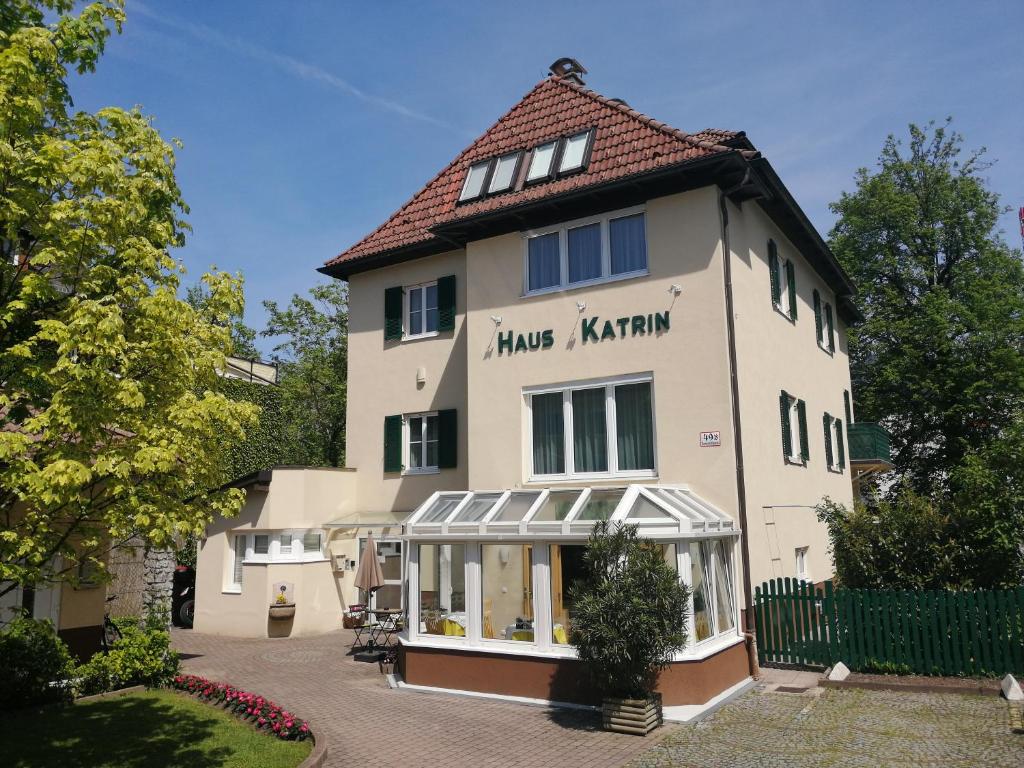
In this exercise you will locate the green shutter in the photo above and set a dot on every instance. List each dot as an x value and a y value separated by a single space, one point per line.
447 439
392 443
831 328
801 412
791 282
773 269
787 437
847 406
392 313
827 421
446 303
817 314
840 444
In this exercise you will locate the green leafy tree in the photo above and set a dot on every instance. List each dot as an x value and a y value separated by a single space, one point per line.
243 338
312 362
938 359
110 420
629 612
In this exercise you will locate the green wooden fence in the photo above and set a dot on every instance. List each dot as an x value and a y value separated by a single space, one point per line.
930 632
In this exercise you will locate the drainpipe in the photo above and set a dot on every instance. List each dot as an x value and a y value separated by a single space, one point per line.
741 487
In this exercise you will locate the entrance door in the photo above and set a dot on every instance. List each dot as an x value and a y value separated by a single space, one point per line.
390 555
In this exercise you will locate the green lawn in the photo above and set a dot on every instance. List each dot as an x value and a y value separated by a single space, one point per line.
155 729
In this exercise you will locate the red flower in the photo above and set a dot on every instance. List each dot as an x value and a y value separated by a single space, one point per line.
277 727
289 723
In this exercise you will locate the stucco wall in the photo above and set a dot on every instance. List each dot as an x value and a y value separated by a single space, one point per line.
382 382
776 354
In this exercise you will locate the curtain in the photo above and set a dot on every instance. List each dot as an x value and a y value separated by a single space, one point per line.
545 265
628 244
589 430
724 606
584 253
634 426
548 434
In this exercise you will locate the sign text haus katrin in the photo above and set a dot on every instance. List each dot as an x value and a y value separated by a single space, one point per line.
591 330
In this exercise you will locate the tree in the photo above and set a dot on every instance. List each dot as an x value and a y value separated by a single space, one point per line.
243 338
629 612
938 359
110 423
312 364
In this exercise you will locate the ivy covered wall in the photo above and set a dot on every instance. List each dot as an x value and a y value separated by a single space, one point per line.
264 445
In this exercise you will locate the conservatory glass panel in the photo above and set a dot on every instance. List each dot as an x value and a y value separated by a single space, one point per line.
703 619
506 580
645 509
725 611
668 552
442 576
516 507
556 507
566 569
443 507
601 504
478 508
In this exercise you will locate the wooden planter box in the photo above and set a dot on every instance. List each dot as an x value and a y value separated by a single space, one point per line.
637 716
282 611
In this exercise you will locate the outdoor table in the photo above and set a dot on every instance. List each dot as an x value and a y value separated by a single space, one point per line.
388 624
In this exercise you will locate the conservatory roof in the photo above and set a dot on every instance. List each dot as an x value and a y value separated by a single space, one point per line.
658 510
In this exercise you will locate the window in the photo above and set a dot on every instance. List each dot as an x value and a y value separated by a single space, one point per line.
506 573
442 585
586 251
574 152
835 448
824 324
285 544
474 186
239 557
801 564
311 542
793 417
567 568
540 162
596 429
261 544
422 443
783 282
714 610
504 173
422 310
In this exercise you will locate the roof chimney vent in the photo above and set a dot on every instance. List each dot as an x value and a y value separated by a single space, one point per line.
569 69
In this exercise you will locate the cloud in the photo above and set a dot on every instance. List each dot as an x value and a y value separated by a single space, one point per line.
288 64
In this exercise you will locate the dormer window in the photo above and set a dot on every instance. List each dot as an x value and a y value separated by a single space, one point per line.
474 186
504 175
574 152
540 163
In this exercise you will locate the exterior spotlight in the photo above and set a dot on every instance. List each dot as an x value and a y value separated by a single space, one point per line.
675 289
581 305
496 319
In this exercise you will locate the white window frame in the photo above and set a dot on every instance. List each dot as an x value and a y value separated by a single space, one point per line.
782 305
566 389
562 230
802 571
275 553
795 457
834 434
407 290
717 634
406 446
236 539
824 335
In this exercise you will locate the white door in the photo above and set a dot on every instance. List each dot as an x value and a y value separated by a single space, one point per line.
389 553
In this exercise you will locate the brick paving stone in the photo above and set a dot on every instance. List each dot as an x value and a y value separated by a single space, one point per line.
366 723
845 728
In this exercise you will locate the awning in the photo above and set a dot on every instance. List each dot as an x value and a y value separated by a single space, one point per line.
658 510
369 520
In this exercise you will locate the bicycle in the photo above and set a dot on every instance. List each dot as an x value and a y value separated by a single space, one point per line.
109 634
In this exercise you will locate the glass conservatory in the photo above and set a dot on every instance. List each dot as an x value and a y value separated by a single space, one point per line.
490 571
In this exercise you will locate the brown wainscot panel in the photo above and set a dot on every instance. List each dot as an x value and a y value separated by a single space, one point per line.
684 682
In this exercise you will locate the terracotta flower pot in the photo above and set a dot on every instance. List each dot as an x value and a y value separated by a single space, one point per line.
637 716
282 611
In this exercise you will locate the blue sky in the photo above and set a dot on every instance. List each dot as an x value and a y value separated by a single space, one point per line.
305 124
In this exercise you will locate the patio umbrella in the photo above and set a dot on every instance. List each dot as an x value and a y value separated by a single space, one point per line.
369 576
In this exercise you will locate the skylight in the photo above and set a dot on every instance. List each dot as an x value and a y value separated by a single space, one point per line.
474 185
573 152
504 175
540 163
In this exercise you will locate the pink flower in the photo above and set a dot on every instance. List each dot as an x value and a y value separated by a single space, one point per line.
304 728
262 721
289 723
277 727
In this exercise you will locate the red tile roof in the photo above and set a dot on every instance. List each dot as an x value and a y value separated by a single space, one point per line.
626 143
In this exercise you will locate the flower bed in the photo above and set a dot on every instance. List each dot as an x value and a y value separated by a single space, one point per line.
261 712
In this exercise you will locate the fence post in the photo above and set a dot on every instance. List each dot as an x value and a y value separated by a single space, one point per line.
759 625
828 608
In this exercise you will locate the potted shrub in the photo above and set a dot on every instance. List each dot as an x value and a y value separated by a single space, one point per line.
282 608
629 619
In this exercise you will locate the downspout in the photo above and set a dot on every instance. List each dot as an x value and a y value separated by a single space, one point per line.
734 387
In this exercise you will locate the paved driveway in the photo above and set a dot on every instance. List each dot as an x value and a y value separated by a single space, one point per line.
368 724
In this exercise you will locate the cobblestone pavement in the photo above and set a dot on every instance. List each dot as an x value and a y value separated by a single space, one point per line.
368 724
831 727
